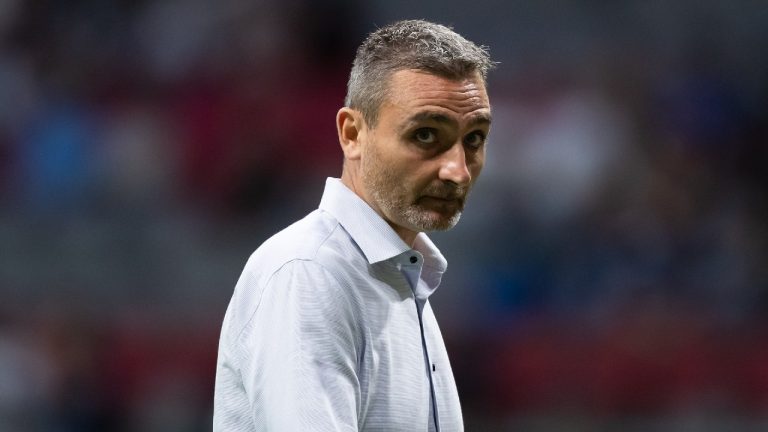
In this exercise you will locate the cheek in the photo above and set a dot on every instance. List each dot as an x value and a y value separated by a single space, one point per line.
423 176
477 165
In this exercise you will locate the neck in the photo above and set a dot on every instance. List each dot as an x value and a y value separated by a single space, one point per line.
408 236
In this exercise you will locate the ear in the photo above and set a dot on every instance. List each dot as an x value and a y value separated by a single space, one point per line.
351 129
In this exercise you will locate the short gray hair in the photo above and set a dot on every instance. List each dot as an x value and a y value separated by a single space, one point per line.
409 44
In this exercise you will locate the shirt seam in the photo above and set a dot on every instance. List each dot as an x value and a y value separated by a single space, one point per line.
237 339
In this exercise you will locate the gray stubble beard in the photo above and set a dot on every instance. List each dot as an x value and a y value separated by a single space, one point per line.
390 195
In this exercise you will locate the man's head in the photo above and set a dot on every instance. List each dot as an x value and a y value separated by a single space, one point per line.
414 126
410 44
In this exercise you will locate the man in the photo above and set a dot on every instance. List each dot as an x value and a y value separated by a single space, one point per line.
329 327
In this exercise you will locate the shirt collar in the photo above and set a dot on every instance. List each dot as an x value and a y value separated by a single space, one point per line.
434 264
432 256
377 240
373 235
371 232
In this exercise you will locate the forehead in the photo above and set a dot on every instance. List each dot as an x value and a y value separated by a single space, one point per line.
412 91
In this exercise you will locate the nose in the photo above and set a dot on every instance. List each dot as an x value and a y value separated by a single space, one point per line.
454 167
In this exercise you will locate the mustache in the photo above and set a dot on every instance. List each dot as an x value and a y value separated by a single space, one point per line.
446 191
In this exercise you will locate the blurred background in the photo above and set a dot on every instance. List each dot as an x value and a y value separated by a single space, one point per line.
610 272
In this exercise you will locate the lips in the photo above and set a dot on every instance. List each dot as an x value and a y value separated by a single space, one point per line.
443 195
450 200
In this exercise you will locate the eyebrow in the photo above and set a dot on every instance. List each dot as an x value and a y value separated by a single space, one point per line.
475 119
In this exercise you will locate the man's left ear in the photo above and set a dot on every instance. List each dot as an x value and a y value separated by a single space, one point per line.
352 130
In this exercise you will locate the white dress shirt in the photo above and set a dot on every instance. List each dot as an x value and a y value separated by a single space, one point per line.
330 329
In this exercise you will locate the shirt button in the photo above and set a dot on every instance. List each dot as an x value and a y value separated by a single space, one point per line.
414 259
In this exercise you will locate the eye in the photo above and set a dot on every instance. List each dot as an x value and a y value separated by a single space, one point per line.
474 140
425 136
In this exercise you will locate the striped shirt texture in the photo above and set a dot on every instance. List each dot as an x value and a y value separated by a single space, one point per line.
330 329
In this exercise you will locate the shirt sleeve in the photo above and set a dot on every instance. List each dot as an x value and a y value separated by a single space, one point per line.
301 353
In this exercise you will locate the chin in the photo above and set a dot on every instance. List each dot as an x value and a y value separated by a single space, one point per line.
430 221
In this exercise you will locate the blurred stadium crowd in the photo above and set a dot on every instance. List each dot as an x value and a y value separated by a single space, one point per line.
610 272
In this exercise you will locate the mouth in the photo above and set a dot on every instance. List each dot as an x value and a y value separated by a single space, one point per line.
456 202
439 198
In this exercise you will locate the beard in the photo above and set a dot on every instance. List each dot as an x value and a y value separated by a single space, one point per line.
437 207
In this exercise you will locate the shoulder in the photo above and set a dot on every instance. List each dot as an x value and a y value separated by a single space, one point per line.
301 240
318 240
298 243
304 257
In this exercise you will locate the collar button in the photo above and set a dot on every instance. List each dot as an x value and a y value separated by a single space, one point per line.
414 259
